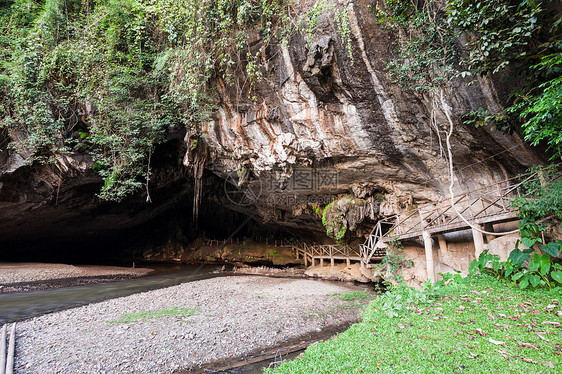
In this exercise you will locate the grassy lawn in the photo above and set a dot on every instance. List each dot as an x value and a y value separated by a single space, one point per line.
481 325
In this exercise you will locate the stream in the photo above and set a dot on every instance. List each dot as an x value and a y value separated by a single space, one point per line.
22 305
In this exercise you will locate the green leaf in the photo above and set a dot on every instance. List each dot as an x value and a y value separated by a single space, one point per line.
557 276
552 248
472 267
535 280
509 268
529 242
496 264
543 261
518 257
524 283
533 266
517 276
483 260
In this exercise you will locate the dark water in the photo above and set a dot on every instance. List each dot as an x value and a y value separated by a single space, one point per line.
258 367
19 306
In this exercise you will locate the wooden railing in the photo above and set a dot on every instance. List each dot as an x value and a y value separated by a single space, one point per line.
492 203
488 204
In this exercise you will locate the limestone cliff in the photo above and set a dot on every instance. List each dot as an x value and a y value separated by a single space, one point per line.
325 109
327 105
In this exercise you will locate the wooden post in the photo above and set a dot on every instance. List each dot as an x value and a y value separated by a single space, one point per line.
443 249
3 350
11 351
348 261
500 193
322 262
490 228
483 207
478 242
305 260
313 260
429 255
331 262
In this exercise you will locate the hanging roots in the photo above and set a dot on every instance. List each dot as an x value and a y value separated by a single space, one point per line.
198 168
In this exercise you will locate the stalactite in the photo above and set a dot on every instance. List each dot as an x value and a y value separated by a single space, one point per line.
198 167
195 158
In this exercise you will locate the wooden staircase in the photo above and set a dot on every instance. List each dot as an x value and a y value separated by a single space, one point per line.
481 207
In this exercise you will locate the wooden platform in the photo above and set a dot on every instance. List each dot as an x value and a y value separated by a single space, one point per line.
458 226
479 208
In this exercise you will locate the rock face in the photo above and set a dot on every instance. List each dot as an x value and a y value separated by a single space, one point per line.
326 105
503 245
325 122
44 207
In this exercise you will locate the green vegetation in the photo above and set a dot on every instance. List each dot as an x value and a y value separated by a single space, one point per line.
541 204
353 296
342 216
478 325
272 253
518 39
152 314
335 227
392 263
540 270
114 77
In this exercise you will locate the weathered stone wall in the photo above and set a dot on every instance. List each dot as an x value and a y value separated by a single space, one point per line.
318 108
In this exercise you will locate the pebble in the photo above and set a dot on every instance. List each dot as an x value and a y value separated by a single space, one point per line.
230 322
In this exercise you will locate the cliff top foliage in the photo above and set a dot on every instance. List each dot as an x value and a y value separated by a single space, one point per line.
518 41
112 77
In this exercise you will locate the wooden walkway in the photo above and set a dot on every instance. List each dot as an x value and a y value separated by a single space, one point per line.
326 252
480 208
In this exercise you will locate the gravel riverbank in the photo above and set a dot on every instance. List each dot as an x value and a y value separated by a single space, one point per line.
29 276
223 318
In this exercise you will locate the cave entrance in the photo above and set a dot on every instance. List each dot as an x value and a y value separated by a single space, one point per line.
110 239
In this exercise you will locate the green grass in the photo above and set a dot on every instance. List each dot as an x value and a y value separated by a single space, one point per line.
354 295
480 326
152 314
